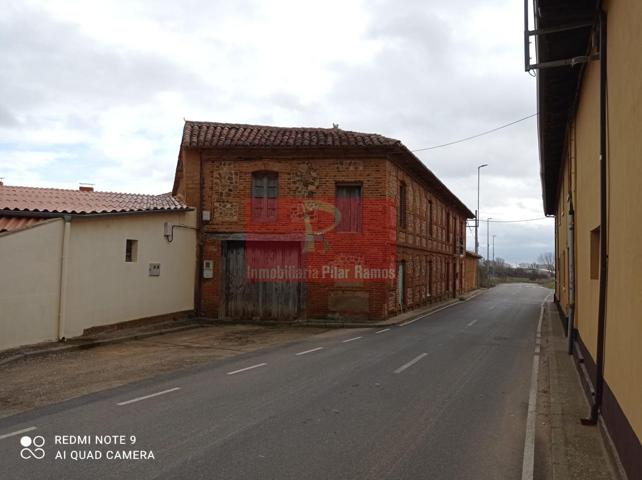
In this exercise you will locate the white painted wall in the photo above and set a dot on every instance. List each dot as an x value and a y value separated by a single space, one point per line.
102 288
30 284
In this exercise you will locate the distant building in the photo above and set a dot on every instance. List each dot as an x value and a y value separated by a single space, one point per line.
73 260
471 274
301 223
590 126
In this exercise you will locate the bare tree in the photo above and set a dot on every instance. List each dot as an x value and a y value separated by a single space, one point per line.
547 260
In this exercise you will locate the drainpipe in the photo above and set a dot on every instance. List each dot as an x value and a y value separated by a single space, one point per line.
571 274
601 315
200 238
64 268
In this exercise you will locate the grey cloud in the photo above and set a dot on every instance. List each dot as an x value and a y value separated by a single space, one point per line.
7 119
47 61
422 87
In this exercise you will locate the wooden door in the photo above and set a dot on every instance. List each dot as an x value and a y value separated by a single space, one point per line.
252 292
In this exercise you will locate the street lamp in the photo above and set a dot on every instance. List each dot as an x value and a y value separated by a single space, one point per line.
477 212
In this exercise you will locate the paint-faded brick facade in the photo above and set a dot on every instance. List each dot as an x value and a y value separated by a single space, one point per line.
272 195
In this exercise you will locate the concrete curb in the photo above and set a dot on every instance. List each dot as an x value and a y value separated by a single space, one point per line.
397 320
96 343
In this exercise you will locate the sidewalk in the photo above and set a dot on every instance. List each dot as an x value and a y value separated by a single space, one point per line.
106 336
565 449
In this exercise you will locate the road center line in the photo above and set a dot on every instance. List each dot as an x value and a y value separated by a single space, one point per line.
384 330
17 432
351 339
473 322
138 399
310 351
410 363
247 368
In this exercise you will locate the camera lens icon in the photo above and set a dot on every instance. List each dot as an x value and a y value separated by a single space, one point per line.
32 447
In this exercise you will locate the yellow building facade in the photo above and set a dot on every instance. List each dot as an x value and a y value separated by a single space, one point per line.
571 175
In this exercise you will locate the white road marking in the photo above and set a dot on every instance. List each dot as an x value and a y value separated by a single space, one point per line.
528 464
384 330
17 432
410 363
247 368
439 310
473 322
138 399
351 339
310 351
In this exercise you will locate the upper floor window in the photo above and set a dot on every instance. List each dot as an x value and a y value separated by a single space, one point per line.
448 227
348 203
429 218
403 205
265 191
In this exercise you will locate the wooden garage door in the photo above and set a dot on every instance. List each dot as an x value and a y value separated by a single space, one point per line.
247 299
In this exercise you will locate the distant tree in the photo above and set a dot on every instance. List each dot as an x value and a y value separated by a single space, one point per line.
547 260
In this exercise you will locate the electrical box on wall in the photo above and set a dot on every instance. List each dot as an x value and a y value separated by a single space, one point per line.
206 215
208 268
154 269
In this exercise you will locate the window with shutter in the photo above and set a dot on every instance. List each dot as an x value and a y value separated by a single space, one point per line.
265 192
429 218
403 202
348 203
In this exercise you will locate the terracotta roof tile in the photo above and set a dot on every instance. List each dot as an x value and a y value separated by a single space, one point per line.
213 134
55 200
11 224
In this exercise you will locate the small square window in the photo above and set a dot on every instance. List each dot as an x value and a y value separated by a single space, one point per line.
131 250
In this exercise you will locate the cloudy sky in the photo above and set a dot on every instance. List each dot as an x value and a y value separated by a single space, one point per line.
97 91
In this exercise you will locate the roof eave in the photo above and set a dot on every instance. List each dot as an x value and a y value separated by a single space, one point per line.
46 214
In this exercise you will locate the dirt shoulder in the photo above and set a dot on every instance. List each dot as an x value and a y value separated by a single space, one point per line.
37 381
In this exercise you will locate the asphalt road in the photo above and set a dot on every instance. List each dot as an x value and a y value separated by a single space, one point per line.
443 397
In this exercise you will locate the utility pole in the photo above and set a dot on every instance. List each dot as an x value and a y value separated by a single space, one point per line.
477 211
494 249
488 238
493 255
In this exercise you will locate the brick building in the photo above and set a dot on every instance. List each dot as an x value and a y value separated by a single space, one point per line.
317 223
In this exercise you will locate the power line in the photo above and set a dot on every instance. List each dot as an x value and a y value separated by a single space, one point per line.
481 220
476 135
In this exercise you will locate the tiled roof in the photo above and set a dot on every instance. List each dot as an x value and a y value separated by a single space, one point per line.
10 224
213 134
55 200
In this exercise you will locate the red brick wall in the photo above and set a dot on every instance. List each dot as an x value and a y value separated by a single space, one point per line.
314 174
418 246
